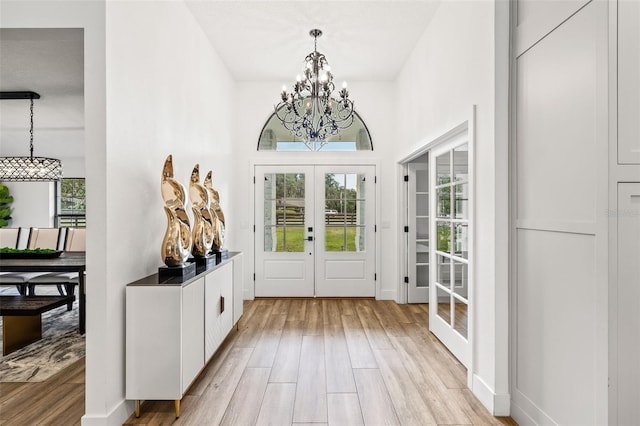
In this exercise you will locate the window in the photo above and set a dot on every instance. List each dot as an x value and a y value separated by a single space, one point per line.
72 203
275 137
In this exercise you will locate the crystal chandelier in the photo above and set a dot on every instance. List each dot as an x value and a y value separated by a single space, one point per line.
309 111
28 169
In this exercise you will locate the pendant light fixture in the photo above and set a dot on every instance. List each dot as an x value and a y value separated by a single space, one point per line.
310 111
28 169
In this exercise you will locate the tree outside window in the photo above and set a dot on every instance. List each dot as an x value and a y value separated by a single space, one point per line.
72 211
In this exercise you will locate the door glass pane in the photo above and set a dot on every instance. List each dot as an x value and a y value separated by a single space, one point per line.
422 276
422 181
460 317
335 239
444 202
284 195
444 236
443 169
461 276
354 234
460 240
269 212
443 275
461 201
461 162
422 257
422 228
422 205
345 212
359 216
444 304
358 239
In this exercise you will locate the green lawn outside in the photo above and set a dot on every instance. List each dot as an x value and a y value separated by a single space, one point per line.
334 239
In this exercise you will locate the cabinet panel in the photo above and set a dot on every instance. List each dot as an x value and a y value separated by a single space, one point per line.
153 343
192 331
628 82
218 307
238 286
628 371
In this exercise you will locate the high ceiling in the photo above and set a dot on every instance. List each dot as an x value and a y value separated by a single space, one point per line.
258 41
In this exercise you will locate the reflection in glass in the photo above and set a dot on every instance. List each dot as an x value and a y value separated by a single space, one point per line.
422 276
422 257
422 181
460 317
444 304
444 202
461 277
443 230
422 228
443 169
461 201
443 271
422 205
461 162
460 240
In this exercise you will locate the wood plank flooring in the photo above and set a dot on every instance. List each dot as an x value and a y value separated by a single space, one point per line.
294 362
328 362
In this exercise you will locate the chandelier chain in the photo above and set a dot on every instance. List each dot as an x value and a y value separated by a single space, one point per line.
31 129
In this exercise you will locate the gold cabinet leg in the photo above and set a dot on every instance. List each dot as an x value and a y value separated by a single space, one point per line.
177 404
137 408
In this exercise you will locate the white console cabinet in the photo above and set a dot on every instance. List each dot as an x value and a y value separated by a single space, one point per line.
174 328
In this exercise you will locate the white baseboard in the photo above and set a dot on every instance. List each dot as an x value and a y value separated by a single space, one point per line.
118 415
387 295
497 404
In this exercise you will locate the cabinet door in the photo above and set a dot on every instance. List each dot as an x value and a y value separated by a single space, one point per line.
192 331
218 307
153 351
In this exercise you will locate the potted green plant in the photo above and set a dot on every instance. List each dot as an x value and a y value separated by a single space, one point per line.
5 206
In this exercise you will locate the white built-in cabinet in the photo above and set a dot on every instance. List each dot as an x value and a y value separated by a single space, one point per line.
173 330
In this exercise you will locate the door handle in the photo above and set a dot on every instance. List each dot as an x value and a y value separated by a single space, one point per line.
309 238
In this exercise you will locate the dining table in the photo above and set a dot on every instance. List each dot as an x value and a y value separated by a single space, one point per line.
67 261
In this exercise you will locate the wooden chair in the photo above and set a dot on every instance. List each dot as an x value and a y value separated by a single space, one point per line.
75 240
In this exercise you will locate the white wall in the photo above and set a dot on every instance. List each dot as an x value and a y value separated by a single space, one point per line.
167 93
452 68
560 259
33 204
374 102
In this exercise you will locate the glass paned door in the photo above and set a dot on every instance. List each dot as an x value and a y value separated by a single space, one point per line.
284 215
345 252
315 231
418 238
448 319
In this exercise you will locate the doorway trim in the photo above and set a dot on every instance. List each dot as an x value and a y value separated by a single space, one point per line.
315 159
465 125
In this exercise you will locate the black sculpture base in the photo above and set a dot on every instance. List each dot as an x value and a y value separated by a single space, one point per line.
220 254
204 263
185 272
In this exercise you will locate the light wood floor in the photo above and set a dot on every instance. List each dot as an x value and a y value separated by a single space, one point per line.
294 362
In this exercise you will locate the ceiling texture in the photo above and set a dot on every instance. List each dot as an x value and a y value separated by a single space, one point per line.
258 41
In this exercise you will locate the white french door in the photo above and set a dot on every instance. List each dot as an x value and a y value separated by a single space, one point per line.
315 231
449 288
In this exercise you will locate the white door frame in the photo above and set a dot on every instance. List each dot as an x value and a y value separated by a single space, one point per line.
466 126
315 159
